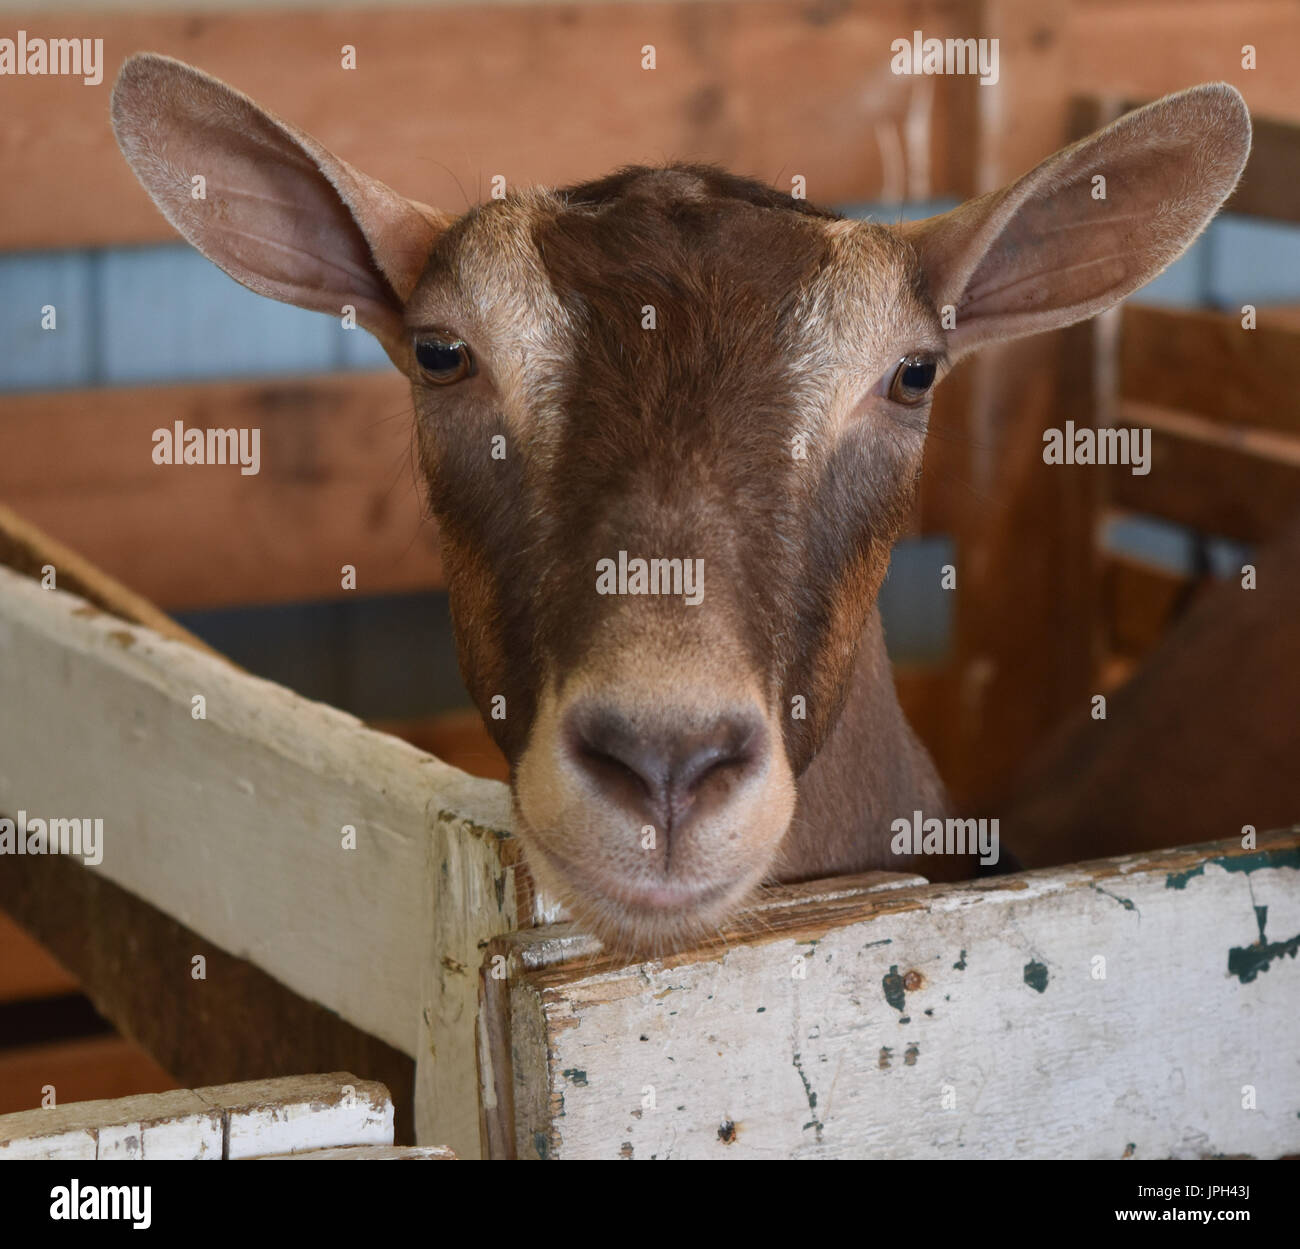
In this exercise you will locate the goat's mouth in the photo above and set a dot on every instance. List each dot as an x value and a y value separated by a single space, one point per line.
639 915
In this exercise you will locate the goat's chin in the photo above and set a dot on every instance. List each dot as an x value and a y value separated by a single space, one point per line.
638 918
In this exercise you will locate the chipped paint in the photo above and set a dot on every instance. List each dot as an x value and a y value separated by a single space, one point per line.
1126 903
960 964
814 1122
1283 856
895 989
1246 962
911 1054
1036 976
576 1076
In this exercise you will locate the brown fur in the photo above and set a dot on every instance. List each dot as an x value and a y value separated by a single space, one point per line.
776 323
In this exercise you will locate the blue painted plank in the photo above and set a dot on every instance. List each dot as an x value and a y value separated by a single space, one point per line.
170 315
32 358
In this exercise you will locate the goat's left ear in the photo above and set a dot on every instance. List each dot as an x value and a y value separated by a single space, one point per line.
278 212
1090 224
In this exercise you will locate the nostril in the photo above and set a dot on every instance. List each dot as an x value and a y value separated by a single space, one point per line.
730 747
663 769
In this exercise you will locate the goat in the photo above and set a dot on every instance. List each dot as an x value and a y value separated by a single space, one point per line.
676 369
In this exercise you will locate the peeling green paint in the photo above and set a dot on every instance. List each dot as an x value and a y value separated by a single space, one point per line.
1036 976
1127 903
576 1076
960 964
541 1145
1288 856
911 1054
892 983
1246 962
872 944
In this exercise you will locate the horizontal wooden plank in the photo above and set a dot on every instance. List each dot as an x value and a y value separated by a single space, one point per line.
233 1121
29 550
443 99
217 821
267 1117
1121 1008
337 485
370 1153
1218 480
1204 362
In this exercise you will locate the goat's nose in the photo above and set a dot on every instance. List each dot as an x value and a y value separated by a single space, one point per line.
662 772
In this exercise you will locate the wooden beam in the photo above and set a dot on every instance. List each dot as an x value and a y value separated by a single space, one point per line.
135 962
1039 1017
218 821
1205 363
251 1119
512 1049
443 99
337 485
1234 483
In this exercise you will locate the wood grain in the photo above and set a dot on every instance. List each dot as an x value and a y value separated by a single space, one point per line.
1105 1010
337 486
445 98
1206 363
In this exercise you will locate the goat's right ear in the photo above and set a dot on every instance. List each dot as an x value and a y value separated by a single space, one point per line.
1089 225
278 212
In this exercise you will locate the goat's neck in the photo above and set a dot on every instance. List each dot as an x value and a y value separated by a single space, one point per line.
871 771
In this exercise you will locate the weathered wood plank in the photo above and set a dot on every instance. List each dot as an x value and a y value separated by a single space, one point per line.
1205 363
1216 479
445 98
336 485
261 790
216 821
232 1121
267 1117
179 1124
370 1153
1130 1007
27 549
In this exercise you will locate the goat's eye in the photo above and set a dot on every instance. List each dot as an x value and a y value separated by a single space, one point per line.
444 359
912 380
